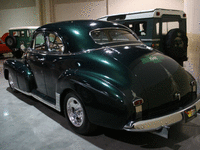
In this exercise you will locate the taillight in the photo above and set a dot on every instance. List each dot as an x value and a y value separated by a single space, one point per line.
184 15
157 13
156 45
138 102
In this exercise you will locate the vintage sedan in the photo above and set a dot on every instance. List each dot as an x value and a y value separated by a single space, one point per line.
100 74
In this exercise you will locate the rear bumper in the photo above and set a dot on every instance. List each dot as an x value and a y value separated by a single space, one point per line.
160 122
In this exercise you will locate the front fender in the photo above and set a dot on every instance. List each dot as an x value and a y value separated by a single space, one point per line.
22 74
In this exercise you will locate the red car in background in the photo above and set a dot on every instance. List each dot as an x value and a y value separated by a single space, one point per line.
3 47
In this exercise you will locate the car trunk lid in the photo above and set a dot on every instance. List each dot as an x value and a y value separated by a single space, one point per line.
165 83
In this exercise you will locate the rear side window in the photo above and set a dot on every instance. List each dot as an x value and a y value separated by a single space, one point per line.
119 17
166 26
22 33
104 36
141 28
16 33
55 43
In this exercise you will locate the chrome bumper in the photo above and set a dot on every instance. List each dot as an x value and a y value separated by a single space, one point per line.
160 122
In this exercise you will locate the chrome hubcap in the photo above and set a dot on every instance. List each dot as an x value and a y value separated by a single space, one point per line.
11 81
75 112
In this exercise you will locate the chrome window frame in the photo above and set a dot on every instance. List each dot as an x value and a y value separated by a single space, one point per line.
112 28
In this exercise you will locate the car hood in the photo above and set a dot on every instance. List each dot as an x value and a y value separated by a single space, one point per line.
159 78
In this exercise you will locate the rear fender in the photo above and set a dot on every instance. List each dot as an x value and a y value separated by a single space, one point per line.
104 103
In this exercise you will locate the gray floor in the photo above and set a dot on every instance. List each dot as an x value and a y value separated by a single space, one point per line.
26 124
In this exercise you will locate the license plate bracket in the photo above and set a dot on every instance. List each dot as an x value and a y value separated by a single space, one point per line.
190 114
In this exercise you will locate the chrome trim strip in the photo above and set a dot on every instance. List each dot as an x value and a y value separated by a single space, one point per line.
58 101
158 123
114 28
57 106
24 27
150 40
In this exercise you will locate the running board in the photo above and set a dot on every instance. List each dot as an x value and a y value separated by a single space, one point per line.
56 106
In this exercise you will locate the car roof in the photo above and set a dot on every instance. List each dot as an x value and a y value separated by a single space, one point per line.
152 13
80 24
77 32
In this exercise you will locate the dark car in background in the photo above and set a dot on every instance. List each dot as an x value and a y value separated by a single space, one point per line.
100 74
162 29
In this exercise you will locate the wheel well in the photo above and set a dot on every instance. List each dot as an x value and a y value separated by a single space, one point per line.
62 97
6 72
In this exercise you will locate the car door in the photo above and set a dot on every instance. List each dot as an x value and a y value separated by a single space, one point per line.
53 62
36 58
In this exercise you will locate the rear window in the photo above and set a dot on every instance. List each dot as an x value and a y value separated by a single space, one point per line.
104 36
167 26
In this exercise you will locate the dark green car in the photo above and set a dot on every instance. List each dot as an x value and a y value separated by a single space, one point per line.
100 74
19 39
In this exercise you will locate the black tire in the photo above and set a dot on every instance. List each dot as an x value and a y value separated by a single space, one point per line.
176 43
75 113
18 53
11 42
11 82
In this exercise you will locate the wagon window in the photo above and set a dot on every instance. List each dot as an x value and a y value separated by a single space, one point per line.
39 42
157 28
28 33
22 33
141 28
16 33
131 25
166 26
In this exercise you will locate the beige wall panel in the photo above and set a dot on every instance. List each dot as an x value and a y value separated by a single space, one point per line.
123 6
79 10
192 9
17 17
193 63
13 4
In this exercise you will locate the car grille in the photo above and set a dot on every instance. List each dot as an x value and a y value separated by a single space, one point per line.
169 107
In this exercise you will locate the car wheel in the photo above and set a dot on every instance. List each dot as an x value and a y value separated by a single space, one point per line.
11 82
176 43
11 41
76 115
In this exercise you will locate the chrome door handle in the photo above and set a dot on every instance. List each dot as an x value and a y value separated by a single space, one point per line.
41 59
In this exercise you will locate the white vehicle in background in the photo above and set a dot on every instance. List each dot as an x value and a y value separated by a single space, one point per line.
162 29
